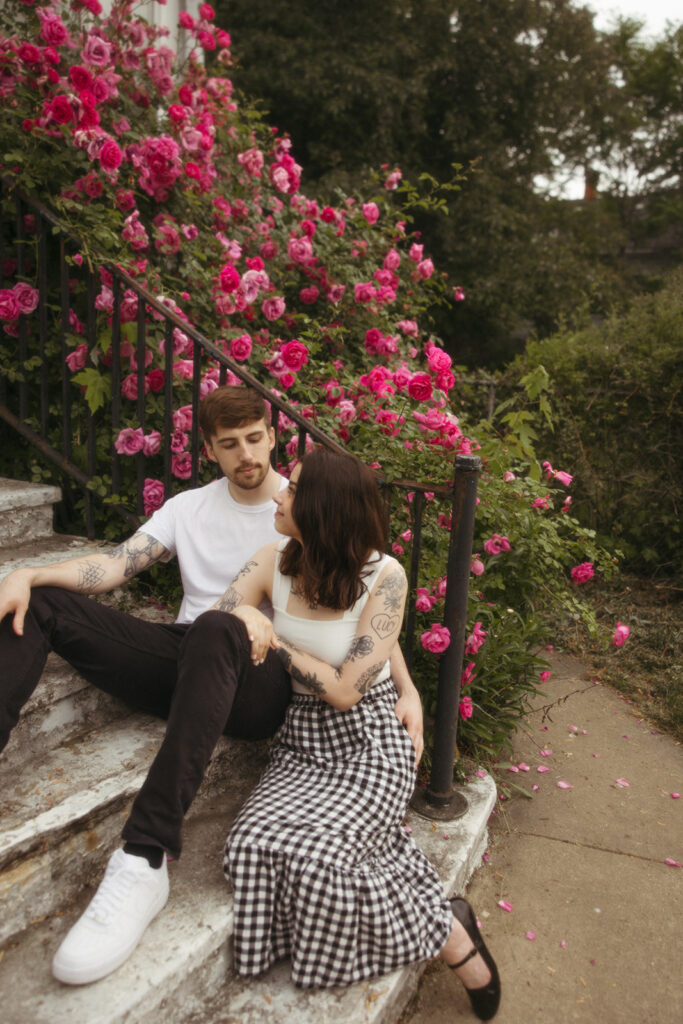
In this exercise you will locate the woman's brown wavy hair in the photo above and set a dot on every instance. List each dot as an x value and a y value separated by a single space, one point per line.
339 512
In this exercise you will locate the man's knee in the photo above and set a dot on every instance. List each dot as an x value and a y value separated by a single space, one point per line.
218 630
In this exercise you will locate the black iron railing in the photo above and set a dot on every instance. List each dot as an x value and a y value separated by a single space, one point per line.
42 404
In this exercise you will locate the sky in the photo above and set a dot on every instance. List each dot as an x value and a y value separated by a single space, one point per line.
655 13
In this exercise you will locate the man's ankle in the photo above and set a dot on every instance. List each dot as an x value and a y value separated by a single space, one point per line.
154 855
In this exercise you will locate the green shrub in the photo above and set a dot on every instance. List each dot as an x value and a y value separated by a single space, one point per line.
617 425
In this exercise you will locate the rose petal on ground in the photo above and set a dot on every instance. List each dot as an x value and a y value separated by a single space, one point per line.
546 753
623 783
505 905
675 796
573 728
672 863
563 944
564 785
596 755
513 768
535 787
542 768
523 766
530 936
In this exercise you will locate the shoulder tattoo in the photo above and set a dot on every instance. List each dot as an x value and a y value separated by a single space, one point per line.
392 589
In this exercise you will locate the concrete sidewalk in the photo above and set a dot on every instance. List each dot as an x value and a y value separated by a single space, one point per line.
584 869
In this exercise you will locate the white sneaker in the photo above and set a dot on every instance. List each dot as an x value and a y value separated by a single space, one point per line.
130 895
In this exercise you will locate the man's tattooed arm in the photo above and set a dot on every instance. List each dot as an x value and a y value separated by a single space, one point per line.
230 600
139 552
90 574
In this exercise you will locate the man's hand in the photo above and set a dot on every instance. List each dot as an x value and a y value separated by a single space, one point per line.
259 630
408 710
15 594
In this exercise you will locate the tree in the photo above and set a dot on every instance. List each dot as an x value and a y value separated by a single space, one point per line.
514 87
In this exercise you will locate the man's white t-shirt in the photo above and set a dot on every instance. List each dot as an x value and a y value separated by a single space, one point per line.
213 536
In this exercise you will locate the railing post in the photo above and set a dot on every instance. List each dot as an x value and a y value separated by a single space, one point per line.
440 800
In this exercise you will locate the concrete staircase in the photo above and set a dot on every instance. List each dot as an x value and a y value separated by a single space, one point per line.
67 778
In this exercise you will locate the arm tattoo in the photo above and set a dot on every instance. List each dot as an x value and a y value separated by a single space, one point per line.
361 646
367 678
89 575
245 570
229 601
138 554
384 625
307 679
393 589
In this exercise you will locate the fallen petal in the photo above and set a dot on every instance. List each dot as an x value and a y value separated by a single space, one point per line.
505 905
513 768
480 774
672 863
573 728
675 796
564 785
523 766
530 936
623 783
543 768
535 787
596 755
546 753
563 944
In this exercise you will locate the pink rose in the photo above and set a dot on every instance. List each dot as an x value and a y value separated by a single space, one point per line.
76 359
96 52
477 566
309 295
392 260
420 387
370 212
273 308
458 294
436 639
438 360
347 411
152 495
466 709
415 253
541 503
53 30
475 639
508 476
564 478
425 269
583 572
424 601
496 544
130 441
240 348
364 292
181 466
110 156
468 674
26 296
300 250
151 445
229 278
544 676
294 355
620 635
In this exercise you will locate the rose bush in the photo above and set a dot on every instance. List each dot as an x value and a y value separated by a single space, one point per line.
153 166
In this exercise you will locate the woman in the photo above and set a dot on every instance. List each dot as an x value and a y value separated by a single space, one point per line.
322 869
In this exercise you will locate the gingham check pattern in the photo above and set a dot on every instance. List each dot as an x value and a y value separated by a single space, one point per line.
322 869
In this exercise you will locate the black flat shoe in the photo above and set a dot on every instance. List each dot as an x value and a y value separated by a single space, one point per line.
485 1001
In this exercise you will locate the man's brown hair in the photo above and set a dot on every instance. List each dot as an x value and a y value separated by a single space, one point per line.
231 406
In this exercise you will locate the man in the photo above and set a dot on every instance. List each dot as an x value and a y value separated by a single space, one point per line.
198 672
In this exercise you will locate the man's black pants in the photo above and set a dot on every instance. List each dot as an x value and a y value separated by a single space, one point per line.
199 676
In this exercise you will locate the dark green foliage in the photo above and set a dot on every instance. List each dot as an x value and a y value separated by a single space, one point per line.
617 389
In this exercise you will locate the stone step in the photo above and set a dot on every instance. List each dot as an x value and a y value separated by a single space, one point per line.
26 511
72 802
181 970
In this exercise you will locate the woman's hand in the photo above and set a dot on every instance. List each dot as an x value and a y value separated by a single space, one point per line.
408 710
259 630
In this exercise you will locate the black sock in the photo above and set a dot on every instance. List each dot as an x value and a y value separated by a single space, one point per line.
154 855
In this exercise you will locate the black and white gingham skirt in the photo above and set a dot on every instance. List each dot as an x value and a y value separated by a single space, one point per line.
321 866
